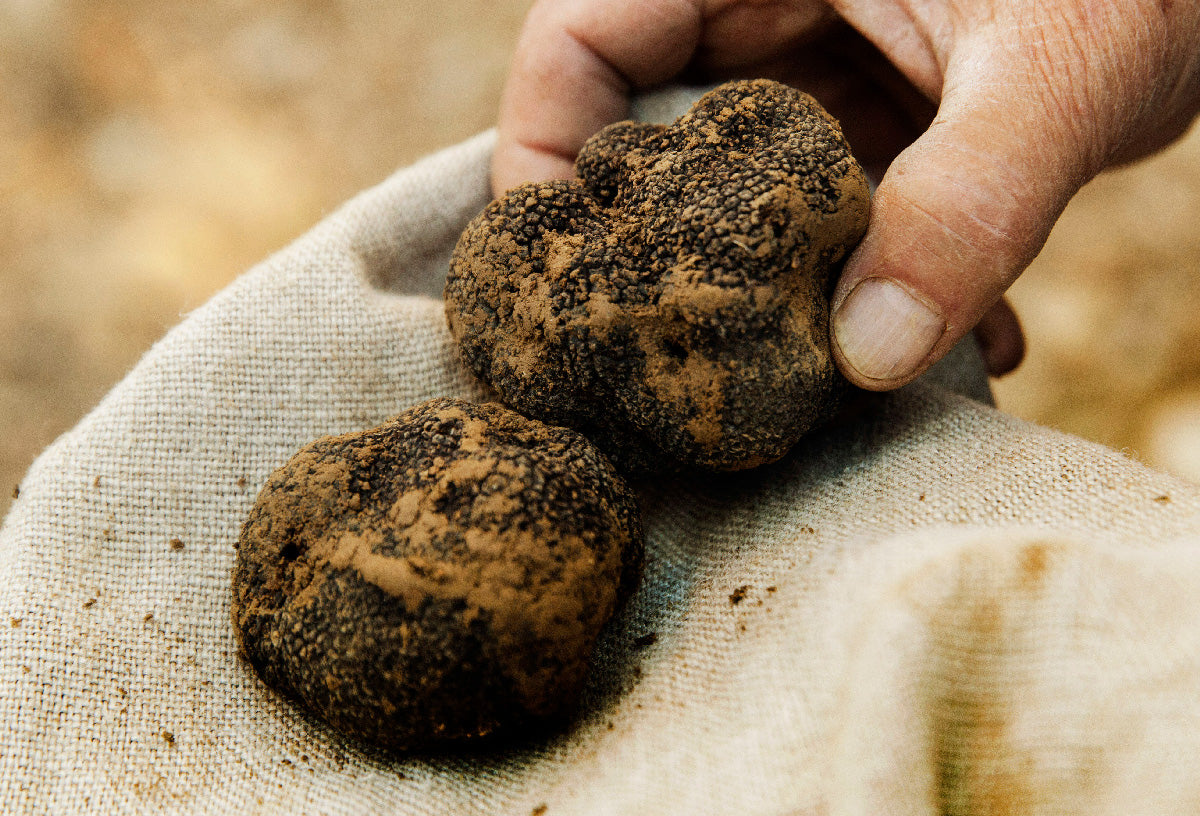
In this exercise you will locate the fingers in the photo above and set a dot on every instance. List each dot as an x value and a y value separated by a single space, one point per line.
1001 341
1036 99
956 218
748 39
959 215
576 63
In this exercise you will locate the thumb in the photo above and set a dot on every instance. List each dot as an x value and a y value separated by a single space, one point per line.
956 218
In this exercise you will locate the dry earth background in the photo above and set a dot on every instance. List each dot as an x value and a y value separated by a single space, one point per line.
152 151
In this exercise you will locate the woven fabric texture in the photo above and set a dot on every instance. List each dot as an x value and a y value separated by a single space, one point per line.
933 608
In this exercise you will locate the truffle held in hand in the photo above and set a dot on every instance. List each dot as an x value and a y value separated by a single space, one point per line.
436 578
672 302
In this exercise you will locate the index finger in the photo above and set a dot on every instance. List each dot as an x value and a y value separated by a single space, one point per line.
576 63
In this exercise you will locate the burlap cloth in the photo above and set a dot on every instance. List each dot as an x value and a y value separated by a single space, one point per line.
935 608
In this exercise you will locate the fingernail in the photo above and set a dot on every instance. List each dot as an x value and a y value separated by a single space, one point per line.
883 331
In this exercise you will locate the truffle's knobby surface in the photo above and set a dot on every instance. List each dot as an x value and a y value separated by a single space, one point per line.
436 578
672 301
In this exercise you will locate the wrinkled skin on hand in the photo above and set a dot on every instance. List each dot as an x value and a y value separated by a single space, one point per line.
672 301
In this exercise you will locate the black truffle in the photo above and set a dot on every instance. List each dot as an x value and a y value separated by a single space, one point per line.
672 301
436 578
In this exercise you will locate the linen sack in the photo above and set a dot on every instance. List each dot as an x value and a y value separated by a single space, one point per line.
934 608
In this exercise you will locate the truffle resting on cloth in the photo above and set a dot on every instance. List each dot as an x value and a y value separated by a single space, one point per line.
672 302
438 577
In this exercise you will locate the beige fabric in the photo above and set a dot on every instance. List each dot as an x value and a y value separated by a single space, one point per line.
932 609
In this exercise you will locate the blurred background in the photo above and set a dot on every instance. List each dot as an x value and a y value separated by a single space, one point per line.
152 151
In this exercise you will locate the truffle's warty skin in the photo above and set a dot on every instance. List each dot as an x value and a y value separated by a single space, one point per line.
436 578
672 302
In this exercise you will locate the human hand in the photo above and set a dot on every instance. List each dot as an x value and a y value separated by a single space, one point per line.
979 120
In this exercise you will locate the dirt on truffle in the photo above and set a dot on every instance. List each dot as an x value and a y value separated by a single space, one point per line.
672 302
438 577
